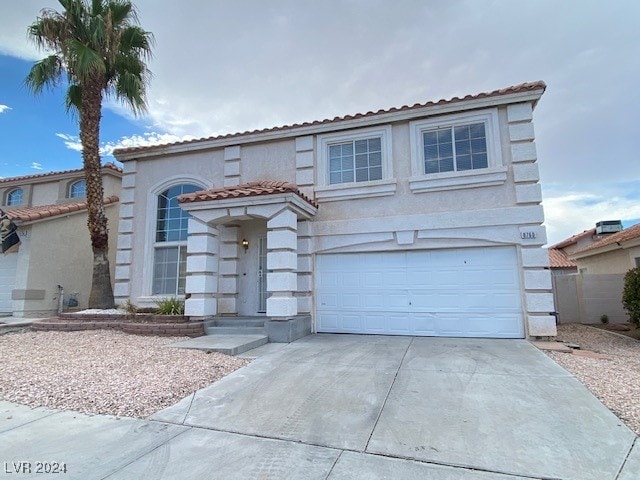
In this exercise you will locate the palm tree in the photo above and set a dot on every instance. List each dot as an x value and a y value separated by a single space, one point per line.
101 50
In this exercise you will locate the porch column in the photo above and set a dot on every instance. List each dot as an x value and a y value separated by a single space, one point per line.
282 262
202 270
228 271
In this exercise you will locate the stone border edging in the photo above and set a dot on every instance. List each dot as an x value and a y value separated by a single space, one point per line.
160 325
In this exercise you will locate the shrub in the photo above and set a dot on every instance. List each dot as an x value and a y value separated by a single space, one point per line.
170 306
604 318
130 309
631 295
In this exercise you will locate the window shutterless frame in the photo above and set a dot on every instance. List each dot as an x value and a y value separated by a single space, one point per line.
14 197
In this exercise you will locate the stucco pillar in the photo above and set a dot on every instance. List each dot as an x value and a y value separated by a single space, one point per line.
202 270
228 272
282 262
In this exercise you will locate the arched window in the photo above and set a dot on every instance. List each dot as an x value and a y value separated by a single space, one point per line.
170 248
78 189
14 197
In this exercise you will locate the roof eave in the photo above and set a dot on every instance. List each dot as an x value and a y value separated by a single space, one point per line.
595 251
532 96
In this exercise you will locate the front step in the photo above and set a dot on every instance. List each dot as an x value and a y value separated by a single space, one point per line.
234 330
227 344
235 326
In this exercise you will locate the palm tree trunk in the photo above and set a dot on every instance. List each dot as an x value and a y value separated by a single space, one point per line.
101 295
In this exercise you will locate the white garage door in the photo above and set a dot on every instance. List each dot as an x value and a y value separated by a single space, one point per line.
8 265
467 292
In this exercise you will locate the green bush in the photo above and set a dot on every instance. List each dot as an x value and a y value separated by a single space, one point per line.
604 318
631 295
170 306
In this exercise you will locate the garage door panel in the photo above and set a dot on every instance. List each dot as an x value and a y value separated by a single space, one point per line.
453 292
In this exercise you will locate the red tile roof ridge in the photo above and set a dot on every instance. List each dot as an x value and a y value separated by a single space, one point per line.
523 87
574 238
108 166
39 212
249 189
625 235
559 259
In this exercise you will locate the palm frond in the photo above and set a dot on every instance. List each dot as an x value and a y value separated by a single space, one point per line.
85 62
130 90
45 73
73 99
136 40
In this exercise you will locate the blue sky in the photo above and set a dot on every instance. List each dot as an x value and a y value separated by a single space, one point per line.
32 126
224 67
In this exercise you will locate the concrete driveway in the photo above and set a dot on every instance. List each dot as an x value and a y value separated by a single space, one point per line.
346 406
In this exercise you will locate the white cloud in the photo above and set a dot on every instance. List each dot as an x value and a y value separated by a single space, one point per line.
144 140
36 166
72 142
4 108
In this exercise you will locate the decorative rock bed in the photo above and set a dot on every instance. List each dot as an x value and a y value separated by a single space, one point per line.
140 324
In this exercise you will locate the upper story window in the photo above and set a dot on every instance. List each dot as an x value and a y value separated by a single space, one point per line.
170 256
78 189
355 161
457 151
14 197
355 164
459 148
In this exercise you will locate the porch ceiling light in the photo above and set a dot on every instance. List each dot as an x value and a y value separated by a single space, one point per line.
245 244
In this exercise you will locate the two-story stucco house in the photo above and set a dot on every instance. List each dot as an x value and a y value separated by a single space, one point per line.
418 220
50 212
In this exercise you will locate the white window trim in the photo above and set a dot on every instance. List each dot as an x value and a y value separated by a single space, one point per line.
494 174
327 192
150 232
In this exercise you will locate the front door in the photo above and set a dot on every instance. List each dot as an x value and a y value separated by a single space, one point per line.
262 275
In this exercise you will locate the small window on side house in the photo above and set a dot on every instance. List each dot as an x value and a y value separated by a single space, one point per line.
637 261
78 189
14 197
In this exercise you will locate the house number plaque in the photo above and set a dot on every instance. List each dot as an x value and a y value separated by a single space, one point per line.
527 235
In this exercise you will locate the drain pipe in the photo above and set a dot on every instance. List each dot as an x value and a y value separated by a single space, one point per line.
60 298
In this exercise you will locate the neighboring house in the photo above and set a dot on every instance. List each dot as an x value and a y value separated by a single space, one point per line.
49 210
418 220
601 255
616 253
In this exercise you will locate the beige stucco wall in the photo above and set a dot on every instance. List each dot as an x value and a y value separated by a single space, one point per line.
617 261
58 252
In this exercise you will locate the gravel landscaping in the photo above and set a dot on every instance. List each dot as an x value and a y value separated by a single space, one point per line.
104 372
614 378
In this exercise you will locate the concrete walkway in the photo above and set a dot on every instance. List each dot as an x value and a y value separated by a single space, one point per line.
341 406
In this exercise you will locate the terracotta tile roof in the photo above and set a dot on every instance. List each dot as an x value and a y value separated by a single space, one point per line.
574 238
522 88
625 235
30 214
250 189
558 259
108 166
